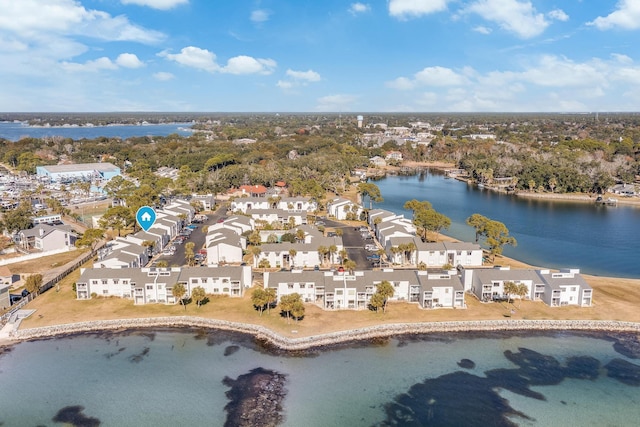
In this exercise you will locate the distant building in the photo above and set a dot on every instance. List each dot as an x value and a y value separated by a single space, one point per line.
78 172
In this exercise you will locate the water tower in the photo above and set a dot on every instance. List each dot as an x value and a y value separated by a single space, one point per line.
360 120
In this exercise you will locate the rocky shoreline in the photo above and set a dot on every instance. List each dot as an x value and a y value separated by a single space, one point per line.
317 341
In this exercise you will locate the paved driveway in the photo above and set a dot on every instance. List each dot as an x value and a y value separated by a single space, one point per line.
353 243
197 237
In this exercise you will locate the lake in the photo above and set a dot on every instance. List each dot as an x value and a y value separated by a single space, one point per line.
600 240
14 131
165 378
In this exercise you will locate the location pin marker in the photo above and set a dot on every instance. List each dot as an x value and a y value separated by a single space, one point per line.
146 216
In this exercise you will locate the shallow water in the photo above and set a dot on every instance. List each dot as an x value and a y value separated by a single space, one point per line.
176 378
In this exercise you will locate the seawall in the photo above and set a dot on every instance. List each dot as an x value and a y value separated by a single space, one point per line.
314 341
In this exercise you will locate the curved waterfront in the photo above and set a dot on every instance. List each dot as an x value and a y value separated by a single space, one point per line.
147 378
550 233
14 131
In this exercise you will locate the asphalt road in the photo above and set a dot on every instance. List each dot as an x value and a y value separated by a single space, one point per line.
353 243
197 237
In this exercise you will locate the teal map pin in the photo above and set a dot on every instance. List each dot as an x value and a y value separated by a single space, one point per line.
146 216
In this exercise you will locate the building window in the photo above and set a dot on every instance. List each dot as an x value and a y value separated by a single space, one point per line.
302 286
149 287
290 285
104 281
105 292
116 281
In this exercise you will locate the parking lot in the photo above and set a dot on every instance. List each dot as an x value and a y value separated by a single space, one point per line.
197 237
354 244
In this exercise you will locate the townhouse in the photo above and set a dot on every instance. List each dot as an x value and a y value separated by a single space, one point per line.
440 254
353 291
154 285
46 238
223 246
566 287
343 209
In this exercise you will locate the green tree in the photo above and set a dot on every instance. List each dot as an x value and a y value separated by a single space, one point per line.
510 289
522 291
377 301
292 305
259 299
497 235
117 218
179 291
18 218
119 188
162 264
90 238
478 222
255 251
372 191
189 254
385 291
349 265
198 295
33 284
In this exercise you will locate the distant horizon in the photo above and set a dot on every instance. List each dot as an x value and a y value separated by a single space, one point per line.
336 113
395 56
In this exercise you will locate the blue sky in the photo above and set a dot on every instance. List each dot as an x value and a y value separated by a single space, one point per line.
319 56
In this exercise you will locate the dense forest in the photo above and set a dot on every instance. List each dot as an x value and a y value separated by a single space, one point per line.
315 153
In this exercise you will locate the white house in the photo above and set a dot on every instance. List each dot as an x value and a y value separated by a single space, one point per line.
440 290
566 287
452 253
154 285
243 204
342 290
342 209
45 238
224 246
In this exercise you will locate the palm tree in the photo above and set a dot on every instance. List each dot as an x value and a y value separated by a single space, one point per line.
198 294
322 251
332 250
255 251
300 235
292 256
343 255
179 292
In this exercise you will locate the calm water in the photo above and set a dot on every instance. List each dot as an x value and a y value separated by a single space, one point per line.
16 131
175 378
598 240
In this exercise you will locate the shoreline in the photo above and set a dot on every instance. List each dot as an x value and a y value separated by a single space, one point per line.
311 342
564 197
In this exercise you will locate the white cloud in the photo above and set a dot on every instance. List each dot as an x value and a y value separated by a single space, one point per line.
626 16
284 84
260 15
539 83
163 76
340 102
482 30
203 59
429 76
309 75
298 78
357 8
405 9
35 20
514 16
194 57
558 15
248 65
129 60
156 4
95 65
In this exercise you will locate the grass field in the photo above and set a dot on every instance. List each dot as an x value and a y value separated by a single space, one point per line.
614 299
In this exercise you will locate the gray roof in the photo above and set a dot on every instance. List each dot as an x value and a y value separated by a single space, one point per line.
81 167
